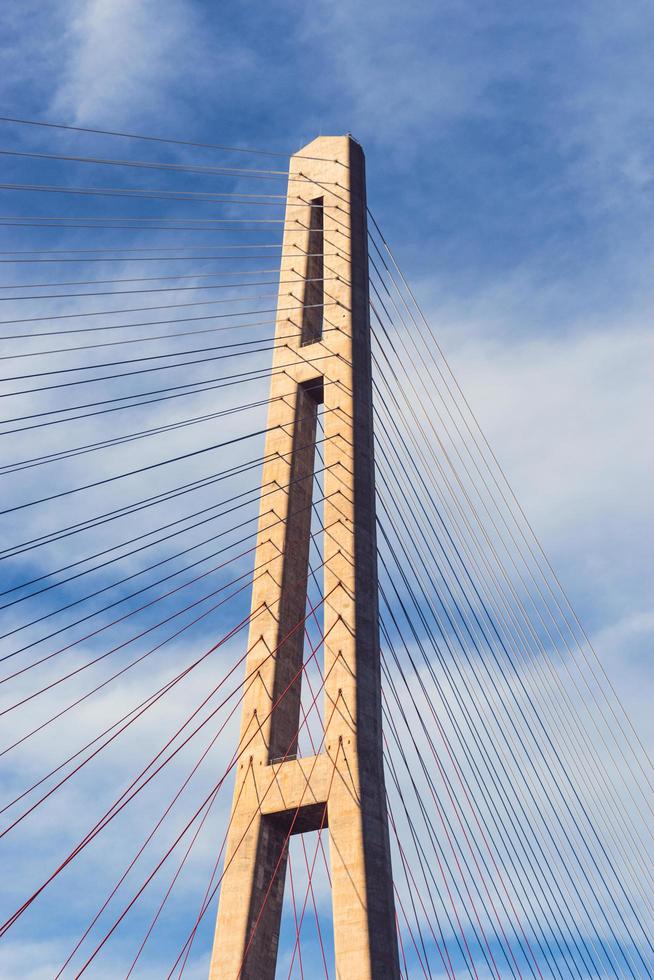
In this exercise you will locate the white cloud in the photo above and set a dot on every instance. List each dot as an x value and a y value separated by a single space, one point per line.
569 416
119 58
117 63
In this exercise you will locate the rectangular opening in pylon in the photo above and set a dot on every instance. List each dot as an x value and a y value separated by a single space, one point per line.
314 290
311 721
297 722
307 934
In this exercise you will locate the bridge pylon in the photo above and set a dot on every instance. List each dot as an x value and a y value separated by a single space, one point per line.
321 356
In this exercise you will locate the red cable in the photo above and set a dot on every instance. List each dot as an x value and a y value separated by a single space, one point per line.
204 904
164 814
188 944
132 612
322 847
151 699
306 896
207 901
410 930
449 969
209 893
324 529
320 841
401 942
140 891
54 788
297 928
97 827
216 788
159 694
313 899
450 896
473 810
168 852
93 691
290 831
276 869
458 812
123 670
462 876
120 646
320 844
180 867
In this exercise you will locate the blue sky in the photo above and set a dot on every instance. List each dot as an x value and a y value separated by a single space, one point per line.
510 163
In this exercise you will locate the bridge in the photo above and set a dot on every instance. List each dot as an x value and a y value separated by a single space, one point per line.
289 686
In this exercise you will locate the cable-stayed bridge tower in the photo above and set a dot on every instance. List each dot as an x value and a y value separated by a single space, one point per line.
342 787
154 306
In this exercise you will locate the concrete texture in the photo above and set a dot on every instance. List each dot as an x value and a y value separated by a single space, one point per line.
343 787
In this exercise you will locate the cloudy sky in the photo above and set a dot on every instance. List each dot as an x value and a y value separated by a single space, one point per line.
510 163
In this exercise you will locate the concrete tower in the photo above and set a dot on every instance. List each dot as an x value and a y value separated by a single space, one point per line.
324 358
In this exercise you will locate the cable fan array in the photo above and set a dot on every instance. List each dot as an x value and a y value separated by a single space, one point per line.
138 304
519 796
